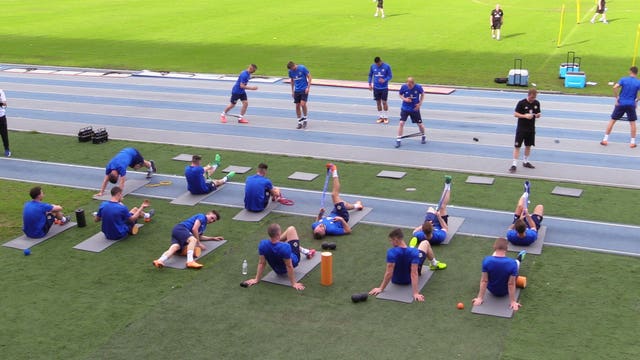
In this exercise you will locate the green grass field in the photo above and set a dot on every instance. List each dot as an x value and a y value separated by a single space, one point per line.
445 42
67 304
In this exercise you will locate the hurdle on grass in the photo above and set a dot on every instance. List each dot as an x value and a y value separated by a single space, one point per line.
561 25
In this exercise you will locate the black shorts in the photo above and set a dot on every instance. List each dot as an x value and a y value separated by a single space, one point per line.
380 4
620 110
423 257
380 94
496 25
137 160
537 219
300 96
415 116
528 137
340 209
236 97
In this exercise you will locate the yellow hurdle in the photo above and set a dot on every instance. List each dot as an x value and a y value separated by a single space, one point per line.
326 268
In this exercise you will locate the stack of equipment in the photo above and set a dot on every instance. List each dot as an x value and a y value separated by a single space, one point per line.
85 134
100 136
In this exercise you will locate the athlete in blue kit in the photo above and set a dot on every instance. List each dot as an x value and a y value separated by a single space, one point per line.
199 179
435 226
258 189
379 77
282 251
38 216
412 96
117 167
524 229
117 220
238 93
626 93
404 264
300 86
499 274
337 223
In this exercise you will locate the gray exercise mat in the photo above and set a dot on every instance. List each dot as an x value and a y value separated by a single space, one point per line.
404 293
246 215
183 157
482 180
356 215
391 174
180 262
190 199
130 185
24 242
536 247
303 176
495 306
237 169
454 224
98 242
300 271
564 191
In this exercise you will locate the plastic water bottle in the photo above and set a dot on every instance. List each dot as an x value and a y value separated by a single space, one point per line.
245 267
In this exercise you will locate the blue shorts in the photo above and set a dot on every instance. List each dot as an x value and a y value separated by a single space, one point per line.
380 94
300 96
47 224
415 116
537 219
295 252
620 110
137 159
340 209
236 97
434 219
180 235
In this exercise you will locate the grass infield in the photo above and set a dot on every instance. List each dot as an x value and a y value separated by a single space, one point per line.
445 42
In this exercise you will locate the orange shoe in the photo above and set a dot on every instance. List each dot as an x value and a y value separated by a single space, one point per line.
604 142
194 265
196 252
159 264
223 118
331 167
632 145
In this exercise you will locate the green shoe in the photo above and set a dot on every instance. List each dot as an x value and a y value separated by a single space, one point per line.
439 266
447 179
413 242
230 175
217 160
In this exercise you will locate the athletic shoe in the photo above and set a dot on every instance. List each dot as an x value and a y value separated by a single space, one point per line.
375 15
197 252
7 153
223 118
385 120
604 143
231 174
528 165
243 121
64 220
438 266
311 253
149 215
383 17
299 125
632 145
380 120
152 169
527 187
331 167
135 229
159 264
593 21
521 255
512 169
304 124
217 160
424 140
447 179
413 242
398 144
194 265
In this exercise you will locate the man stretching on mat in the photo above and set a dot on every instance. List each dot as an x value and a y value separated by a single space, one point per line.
404 264
626 93
258 189
238 93
199 179
435 226
300 86
337 223
527 111
499 274
524 229
117 220
187 238
117 167
38 216
282 251
412 96
379 77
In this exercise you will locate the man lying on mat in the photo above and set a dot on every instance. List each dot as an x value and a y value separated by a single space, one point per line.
524 229
435 226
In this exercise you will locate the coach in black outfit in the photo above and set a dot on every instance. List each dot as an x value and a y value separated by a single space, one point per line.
527 111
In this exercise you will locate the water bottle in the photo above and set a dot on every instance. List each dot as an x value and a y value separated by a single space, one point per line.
245 267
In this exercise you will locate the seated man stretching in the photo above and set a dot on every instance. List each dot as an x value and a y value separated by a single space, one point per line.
38 216
282 251
199 179
337 221
524 229
499 274
435 226
258 189
117 220
404 264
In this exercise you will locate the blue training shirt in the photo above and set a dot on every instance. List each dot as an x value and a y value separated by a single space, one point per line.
437 236
275 254
299 78
115 220
403 258
413 94
34 218
628 94
190 222
333 226
242 79
499 269
255 188
196 184
120 162
530 236
380 72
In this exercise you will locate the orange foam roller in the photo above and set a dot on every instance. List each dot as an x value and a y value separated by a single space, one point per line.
521 282
326 268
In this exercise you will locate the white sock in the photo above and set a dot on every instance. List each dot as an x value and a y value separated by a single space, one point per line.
224 179
224 113
447 186
515 162
190 256
386 115
304 251
434 262
357 206
605 138
164 257
214 167
633 140
525 159
334 173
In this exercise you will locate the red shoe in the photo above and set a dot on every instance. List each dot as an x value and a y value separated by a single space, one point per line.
223 118
243 121
604 142
331 167
311 253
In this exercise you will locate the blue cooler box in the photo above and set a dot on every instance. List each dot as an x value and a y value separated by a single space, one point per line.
518 77
568 67
576 79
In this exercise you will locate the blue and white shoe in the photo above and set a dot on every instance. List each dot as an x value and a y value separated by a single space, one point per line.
527 187
521 255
